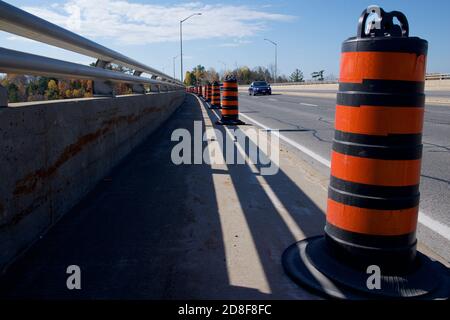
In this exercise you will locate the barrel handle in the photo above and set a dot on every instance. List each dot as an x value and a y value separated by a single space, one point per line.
383 25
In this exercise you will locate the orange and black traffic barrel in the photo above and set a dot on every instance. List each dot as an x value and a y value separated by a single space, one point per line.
215 95
377 147
373 197
229 102
200 91
208 92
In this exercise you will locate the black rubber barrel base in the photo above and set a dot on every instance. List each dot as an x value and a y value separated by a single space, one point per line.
212 106
309 263
230 122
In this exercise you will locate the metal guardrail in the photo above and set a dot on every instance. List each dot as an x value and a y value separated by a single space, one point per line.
307 82
22 23
437 76
430 76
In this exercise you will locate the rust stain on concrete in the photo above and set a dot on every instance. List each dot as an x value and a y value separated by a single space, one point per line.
28 184
37 203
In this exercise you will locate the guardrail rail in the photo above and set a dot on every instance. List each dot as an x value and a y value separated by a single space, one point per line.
437 76
22 23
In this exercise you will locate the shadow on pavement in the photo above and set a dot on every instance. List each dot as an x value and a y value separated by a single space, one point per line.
152 230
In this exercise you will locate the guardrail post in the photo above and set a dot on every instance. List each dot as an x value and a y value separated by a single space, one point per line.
155 86
3 97
137 87
102 88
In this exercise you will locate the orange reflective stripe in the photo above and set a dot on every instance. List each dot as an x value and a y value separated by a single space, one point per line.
227 112
229 103
379 120
356 66
371 221
230 94
375 171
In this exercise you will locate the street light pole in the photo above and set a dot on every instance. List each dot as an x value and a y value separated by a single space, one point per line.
276 57
224 66
181 41
174 66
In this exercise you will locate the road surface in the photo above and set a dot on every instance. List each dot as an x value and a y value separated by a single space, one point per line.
309 122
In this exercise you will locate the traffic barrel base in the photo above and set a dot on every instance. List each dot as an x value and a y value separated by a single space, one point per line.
230 122
373 195
312 263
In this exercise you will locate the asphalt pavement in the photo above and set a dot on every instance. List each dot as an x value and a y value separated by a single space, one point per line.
309 122
156 230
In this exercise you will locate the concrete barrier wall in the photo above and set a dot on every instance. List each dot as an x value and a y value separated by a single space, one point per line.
54 153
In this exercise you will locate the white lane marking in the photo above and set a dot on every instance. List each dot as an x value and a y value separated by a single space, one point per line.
438 227
308 104
298 146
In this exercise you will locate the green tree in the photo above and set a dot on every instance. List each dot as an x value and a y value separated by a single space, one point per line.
244 75
13 93
189 79
199 73
296 76
42 85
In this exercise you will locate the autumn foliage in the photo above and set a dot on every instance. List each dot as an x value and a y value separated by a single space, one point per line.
29 88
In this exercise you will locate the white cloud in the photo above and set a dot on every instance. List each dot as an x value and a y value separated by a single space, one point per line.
126 22
17 38
235 43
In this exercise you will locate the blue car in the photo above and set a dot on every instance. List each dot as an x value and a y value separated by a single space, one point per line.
259 87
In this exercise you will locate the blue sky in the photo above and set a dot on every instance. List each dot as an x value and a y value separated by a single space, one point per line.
309 33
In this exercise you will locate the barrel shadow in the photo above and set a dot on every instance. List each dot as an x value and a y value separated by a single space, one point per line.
269 230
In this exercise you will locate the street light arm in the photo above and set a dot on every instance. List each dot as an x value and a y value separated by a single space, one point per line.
272 42
194 14
276 57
